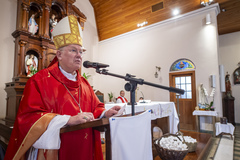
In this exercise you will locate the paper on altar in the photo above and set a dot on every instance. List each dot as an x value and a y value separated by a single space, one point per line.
120 112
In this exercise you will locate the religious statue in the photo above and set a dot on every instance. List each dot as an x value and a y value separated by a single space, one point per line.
228 85
52 24
32 25
31 65
202 97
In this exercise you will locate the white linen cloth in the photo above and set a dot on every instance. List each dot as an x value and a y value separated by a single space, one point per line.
50 139
205 113
224 128
168 109
131 137
159 110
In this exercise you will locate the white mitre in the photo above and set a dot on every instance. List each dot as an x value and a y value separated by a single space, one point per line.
67 31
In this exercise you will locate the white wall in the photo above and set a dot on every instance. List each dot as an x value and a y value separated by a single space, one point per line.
8 14
138 53
229 53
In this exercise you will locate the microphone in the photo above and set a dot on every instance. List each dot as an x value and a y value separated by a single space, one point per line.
88 64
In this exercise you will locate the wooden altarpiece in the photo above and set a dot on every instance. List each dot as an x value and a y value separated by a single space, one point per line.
38 44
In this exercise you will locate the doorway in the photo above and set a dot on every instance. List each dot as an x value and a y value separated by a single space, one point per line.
187 101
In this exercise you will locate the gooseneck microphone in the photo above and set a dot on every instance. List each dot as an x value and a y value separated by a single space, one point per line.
88 64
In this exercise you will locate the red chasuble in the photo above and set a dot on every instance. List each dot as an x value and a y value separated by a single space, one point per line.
43 98
122 99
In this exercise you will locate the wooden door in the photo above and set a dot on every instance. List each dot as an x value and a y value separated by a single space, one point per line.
187 101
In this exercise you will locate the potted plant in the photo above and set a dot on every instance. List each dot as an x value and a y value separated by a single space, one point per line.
110 96
209 106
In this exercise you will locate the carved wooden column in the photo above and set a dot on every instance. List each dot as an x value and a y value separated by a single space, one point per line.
22 59
43 58
66 5
25 12
40 33
46 22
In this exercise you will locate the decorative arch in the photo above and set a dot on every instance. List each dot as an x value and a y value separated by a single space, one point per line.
35 9
33 51
182 64
58 10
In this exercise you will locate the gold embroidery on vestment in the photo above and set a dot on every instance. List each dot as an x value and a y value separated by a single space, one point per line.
86 136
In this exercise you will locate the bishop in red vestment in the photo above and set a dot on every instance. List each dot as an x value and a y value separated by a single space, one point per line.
49 94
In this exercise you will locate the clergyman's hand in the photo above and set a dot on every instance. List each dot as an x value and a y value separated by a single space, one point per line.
112 111
80 118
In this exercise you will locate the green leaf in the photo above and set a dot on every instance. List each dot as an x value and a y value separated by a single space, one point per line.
211 104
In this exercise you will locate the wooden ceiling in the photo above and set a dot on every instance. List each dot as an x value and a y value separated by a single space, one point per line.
115 17
229 20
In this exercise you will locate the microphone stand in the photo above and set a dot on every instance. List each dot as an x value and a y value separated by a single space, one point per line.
133 82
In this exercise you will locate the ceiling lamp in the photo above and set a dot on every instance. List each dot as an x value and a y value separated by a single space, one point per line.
175 12
206 2
142 24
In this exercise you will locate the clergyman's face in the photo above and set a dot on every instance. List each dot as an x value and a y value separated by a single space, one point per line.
122 93
70 57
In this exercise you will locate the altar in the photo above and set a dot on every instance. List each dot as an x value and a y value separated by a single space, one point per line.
159 110
164 115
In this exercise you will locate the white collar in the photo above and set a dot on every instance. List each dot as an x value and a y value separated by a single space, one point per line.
69 76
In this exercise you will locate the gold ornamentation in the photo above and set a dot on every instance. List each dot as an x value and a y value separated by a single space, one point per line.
86 135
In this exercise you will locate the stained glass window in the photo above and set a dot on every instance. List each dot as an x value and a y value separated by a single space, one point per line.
182 64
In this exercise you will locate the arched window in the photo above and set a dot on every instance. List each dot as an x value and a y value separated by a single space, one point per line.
182 64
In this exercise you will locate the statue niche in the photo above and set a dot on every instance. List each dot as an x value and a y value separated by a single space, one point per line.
34 18
31 63
56 14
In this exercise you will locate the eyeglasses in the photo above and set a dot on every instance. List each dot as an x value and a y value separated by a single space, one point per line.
75 51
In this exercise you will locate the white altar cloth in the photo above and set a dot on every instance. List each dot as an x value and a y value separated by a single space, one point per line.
159 110
224 128
205 113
